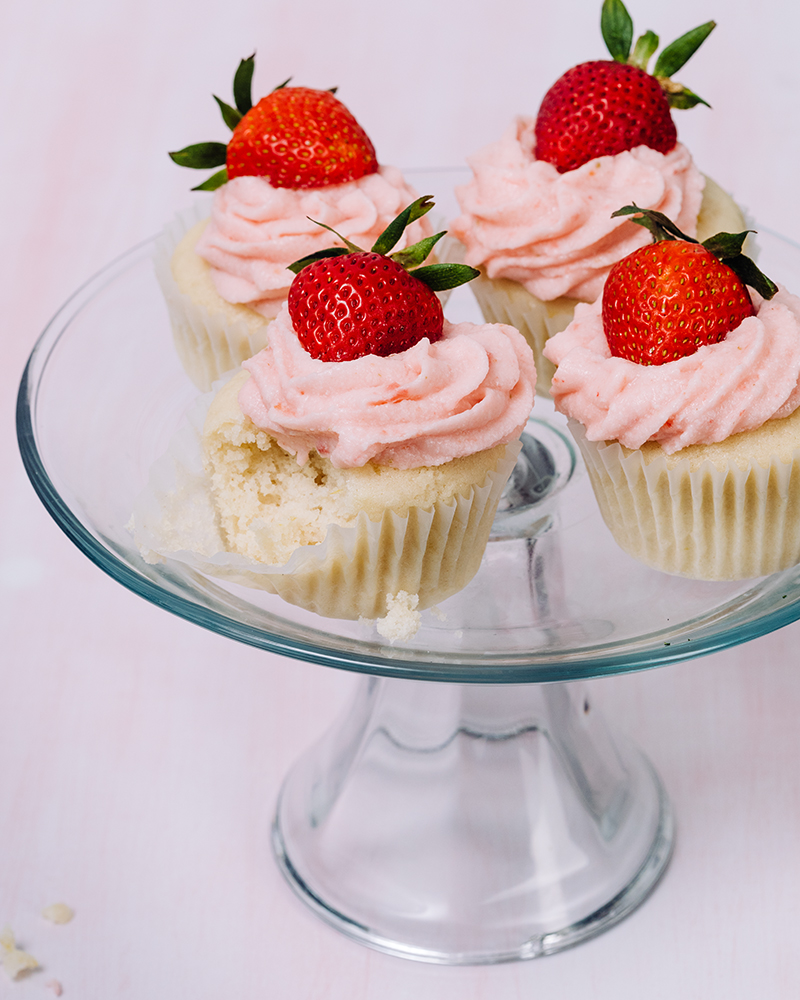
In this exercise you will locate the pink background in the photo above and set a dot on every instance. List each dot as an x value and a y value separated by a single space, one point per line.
140 755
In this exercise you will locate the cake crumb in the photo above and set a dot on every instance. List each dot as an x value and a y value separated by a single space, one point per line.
58 913
15 961
438 614
55 986
402 618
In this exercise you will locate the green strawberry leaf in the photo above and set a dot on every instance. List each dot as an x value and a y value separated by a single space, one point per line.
726 244
646 45
727 247
748 272
414 255
397 227
661 227
201 155
298 265
282 85
438 277
213 182
617 29
230 115
243 84
682 49
679 96
351 247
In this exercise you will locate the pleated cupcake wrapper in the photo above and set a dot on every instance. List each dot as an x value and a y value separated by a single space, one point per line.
504 301
208 346
431 551
707 523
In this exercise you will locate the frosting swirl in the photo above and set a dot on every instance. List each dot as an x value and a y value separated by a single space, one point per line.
750 377
256 231
552 232
469 391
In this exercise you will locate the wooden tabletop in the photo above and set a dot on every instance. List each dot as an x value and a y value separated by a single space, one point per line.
141 755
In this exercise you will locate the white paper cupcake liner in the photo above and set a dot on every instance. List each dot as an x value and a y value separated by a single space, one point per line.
431 552
703 522
208 344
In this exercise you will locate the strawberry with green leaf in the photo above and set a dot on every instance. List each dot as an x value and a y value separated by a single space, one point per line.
605 107
346 302
666 300
295 137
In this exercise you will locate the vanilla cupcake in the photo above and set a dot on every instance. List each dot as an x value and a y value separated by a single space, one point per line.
225 274
695 462
361 455
536 216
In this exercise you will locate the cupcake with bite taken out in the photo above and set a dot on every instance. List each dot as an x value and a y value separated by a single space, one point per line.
537 214
297 154
682 385
359 457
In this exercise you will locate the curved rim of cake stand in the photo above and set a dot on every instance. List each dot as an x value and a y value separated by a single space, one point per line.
319 646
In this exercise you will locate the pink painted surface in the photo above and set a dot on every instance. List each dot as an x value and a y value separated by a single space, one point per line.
140 755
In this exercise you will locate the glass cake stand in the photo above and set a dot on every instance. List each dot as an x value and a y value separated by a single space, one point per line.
470 805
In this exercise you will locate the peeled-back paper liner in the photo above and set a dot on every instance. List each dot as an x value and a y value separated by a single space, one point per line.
504 301
207 345
706 523
432 552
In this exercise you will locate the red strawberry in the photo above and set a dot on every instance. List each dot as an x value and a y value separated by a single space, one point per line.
296 137
361 303
300 138
664 301
345 303
602 108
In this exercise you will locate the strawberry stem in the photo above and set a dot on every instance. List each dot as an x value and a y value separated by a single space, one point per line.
352 247
646 45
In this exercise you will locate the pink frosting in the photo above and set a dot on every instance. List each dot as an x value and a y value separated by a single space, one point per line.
552 232
256 230
465 393
736 385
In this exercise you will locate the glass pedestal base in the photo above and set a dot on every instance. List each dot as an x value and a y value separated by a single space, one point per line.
465 824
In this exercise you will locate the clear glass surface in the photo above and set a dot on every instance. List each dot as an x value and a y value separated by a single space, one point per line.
463 823
103 393
476 817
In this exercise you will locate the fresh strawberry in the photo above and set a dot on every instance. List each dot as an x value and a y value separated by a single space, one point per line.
602 108
666 300
345 303
296 137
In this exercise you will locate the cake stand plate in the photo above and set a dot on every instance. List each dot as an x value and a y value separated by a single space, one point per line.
470 806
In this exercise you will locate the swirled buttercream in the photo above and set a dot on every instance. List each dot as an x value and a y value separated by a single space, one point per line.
553 233
256 231
465 393
750 377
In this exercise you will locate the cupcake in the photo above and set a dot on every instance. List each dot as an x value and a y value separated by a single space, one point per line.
536 216
297 155
358 459
682 387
